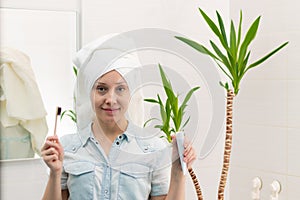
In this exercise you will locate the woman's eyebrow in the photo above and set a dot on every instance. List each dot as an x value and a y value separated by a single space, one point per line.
121 82
100 83
117 83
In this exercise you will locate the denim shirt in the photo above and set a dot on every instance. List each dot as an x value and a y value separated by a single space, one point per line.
137 167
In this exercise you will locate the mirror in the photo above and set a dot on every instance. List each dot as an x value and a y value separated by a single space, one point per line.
49 47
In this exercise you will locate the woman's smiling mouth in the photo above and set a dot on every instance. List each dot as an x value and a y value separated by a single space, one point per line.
111 110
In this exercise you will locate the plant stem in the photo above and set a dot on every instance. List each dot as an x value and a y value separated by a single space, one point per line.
196 184
228 144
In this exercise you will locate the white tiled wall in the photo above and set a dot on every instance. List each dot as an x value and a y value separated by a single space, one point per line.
267 119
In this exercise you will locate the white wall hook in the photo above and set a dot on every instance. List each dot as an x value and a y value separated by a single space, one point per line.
275 190
256 187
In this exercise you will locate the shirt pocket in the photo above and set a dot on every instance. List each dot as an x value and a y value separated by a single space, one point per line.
81 178
134 182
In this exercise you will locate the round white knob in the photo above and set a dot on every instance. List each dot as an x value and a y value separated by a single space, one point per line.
257 183
256 187
275 190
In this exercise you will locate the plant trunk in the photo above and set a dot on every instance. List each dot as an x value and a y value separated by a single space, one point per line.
196 184
228 144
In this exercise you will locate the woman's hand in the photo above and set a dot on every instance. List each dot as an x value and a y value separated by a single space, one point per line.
177 183
53 154
189 154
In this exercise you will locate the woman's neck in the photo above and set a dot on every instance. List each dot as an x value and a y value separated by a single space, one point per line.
109 130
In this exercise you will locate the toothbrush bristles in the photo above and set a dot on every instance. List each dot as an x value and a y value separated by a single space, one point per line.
58 111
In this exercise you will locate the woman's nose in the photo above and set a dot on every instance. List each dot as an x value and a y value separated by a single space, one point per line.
111 97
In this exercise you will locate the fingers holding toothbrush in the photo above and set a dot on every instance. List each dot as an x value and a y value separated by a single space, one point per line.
52 153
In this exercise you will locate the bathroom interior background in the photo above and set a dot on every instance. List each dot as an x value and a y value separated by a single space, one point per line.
266 111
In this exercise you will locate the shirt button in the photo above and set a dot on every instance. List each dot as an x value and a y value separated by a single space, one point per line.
117 143
106 191
147 148
120 137
74 148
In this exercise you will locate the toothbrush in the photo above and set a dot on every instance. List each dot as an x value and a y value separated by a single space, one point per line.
58 112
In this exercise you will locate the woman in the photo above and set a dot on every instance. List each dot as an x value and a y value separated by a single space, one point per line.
110 157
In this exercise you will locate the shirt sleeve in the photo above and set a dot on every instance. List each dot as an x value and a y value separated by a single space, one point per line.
161 175
63 180
160 181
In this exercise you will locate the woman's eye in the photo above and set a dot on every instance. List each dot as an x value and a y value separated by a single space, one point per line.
120 89
101 89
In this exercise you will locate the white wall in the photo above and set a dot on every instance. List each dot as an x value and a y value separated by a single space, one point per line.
266 115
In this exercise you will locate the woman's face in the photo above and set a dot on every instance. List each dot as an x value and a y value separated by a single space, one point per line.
110 98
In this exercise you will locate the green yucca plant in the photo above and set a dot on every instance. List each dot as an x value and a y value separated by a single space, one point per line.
170 111
172 115
70 113
232 57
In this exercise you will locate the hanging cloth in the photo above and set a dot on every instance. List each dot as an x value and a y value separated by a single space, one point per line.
22 110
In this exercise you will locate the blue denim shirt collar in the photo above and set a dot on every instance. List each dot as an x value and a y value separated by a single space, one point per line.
88 134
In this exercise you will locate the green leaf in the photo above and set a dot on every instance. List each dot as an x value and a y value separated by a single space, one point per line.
211 24
158 126
162 111
223 32
250 35
242 67
166 83
151 100
192 43
169 138
197 46
168 110
226 86
233 46
149 120
267 56
69 113
185 123
188 95
240 29
230 77
179 119
174 107
75 70
236 84
222 57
